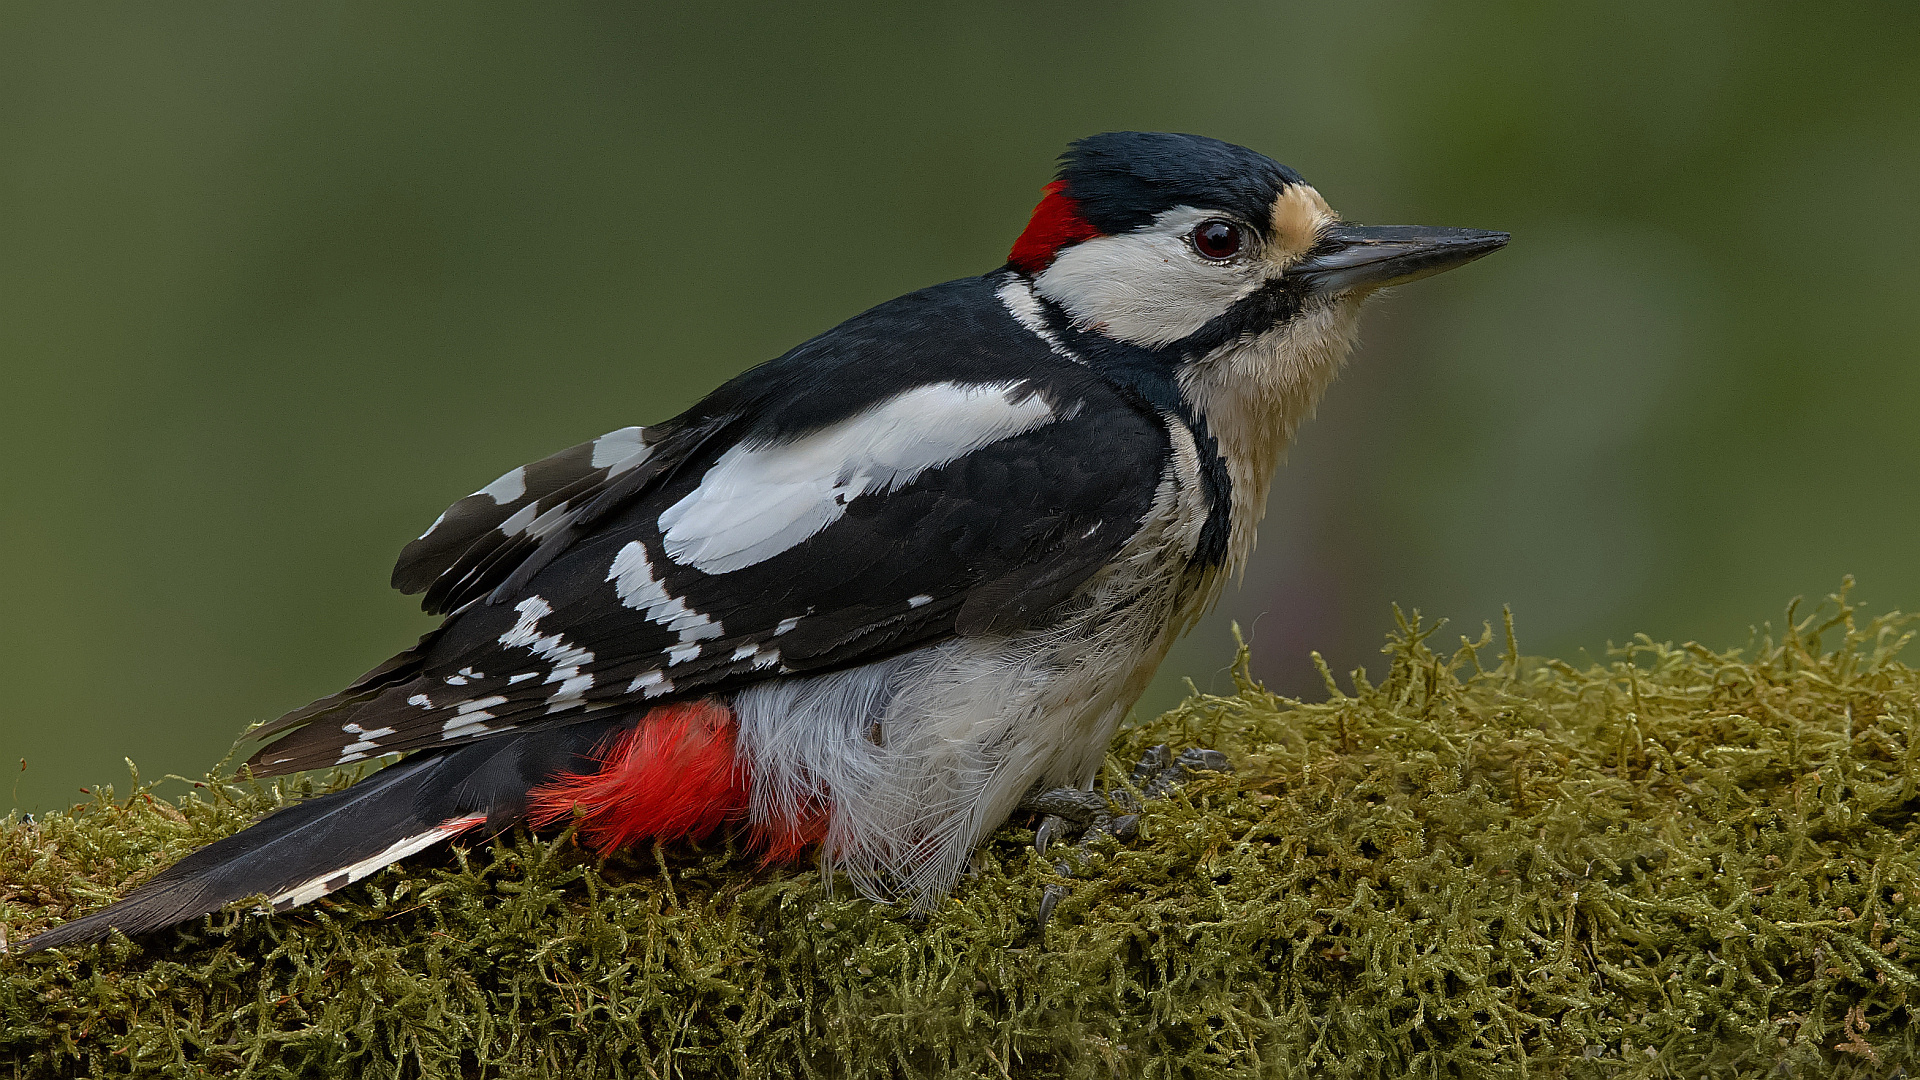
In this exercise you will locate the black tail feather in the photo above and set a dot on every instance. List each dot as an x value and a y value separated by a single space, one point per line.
311 846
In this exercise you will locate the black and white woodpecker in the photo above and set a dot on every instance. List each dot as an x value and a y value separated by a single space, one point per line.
872 596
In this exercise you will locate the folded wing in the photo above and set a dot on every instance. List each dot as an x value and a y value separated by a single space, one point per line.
662 565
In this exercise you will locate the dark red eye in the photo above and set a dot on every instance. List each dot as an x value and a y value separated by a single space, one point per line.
1217 239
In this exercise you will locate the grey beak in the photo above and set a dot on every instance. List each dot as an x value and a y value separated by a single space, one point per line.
1373 256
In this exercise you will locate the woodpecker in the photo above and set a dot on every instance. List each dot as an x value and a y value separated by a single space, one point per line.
867 598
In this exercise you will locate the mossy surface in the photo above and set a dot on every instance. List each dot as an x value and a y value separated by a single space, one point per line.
1677 863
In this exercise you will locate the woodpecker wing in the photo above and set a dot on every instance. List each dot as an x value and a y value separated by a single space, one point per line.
508 528
478 542
875 490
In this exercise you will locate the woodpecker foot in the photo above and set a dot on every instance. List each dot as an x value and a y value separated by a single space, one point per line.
1156 775
1088 812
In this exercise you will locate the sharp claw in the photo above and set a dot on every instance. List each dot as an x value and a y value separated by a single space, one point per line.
1157 774
1043 835
1049 899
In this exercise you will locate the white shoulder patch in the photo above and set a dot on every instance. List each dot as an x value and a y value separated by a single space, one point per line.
758 501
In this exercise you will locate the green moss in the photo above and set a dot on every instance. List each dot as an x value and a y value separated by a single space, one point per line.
1680 863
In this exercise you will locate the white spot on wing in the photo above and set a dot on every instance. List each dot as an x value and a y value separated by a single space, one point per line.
651 684
759 500
762 656
461 726
786 625
466 723
369 743
618 451
573 688
919 601
509 487
517 523
547 523
526 635
532 610
635 584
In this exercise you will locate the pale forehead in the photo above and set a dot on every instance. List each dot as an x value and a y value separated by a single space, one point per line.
1297 216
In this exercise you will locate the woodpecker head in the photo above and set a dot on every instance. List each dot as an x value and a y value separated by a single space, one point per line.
1189 243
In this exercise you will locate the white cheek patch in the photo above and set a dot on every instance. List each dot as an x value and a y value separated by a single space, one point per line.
758 501
1147 287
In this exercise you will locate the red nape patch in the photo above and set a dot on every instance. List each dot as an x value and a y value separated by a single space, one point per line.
1056 222
673 775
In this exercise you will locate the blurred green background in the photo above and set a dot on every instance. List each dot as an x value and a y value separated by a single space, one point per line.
279 281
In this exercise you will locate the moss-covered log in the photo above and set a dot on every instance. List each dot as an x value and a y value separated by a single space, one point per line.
1677 863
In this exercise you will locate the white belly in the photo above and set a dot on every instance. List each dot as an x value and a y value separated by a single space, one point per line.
920 756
